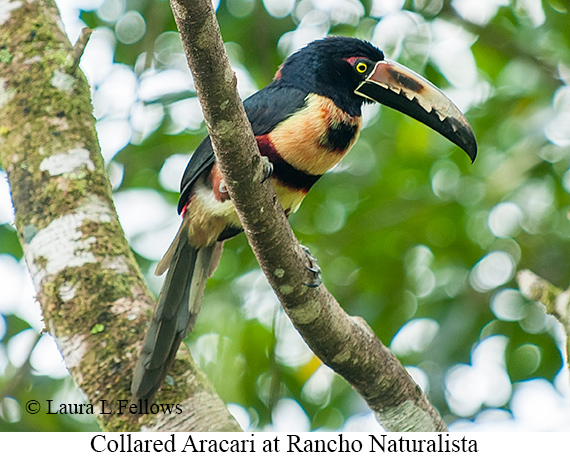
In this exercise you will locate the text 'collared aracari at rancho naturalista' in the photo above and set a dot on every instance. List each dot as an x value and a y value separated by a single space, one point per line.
305 121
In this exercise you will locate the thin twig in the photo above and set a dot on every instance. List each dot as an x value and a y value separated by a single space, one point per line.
79 48
15 381
556 300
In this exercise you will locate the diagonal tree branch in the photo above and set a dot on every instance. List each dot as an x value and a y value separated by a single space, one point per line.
556 300
345 343
93 298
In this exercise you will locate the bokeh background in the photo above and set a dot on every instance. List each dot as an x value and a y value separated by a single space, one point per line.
409 234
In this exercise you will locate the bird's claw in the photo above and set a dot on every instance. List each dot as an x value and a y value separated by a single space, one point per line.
313 268
267 169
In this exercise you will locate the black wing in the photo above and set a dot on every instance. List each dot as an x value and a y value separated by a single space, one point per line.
272 105
265 109
202 159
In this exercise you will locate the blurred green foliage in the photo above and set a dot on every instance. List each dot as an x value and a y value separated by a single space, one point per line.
406 230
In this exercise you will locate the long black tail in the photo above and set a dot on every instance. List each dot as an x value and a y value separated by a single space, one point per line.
176 312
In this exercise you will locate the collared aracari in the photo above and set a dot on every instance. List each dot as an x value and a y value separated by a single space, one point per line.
305 121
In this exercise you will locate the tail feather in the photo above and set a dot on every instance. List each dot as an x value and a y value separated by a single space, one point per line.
176 312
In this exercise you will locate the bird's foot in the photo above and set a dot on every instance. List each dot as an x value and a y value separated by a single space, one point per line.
267 169
313 268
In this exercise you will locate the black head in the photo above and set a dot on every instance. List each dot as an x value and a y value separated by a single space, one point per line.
333 67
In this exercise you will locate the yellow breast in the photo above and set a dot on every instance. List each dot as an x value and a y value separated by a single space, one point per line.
302 139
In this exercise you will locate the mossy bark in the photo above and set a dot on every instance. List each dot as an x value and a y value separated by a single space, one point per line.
92 294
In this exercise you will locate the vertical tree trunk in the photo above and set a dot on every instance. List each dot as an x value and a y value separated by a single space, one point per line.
92 294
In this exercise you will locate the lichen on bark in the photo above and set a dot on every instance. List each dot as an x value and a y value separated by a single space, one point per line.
87 280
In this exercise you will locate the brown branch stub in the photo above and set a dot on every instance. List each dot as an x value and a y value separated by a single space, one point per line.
344 343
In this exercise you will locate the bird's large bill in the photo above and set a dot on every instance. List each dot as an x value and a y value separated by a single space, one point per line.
400 88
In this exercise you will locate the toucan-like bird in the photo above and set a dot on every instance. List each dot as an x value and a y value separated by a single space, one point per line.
305 121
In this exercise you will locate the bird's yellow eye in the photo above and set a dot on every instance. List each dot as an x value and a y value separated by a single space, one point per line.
361 67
